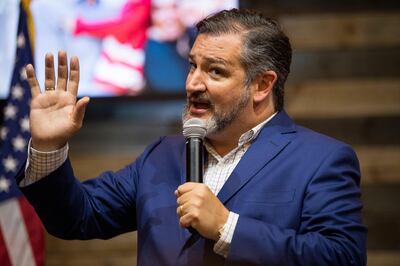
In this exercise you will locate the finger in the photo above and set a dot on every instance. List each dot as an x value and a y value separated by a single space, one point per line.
32 81
185 198
186 187
79 111
185 221
189 219
62 71
179 210
49 82
74 76
183 209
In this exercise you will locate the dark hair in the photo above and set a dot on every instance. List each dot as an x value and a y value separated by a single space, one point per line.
265 46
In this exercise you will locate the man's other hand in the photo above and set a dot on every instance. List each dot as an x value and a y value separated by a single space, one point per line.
200 209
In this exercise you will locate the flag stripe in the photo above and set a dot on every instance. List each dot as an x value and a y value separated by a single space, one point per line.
35 230
4 258
16 239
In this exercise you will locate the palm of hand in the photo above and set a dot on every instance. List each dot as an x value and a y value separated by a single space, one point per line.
51 115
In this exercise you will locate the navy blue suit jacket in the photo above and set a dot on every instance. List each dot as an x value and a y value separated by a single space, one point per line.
296 191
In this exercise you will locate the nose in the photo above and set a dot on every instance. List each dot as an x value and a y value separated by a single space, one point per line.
195 82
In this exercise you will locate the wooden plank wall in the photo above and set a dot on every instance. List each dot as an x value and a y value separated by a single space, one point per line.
344 82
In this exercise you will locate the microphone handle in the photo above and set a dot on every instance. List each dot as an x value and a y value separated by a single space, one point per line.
194 160
194 164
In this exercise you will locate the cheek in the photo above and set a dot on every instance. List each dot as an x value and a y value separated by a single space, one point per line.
228 94
225 93
224 103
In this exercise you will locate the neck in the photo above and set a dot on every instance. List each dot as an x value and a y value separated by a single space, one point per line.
226 140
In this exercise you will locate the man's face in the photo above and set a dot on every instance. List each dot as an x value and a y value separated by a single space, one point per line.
215 85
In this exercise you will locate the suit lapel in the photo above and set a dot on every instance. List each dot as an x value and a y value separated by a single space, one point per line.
272 139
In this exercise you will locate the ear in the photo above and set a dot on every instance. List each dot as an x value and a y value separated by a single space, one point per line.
265 84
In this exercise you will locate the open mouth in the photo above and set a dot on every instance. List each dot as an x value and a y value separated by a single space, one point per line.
199 106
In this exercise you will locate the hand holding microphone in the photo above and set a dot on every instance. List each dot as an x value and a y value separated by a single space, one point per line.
198 208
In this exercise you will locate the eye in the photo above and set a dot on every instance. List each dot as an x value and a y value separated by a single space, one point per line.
216 71
193 66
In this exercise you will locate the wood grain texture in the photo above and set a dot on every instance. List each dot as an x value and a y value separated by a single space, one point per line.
277 7
344 98
379 164
118 251
342 31
345 63
382 257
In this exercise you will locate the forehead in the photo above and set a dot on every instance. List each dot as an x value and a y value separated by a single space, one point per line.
223 48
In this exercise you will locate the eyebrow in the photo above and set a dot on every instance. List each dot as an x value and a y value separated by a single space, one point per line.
211 60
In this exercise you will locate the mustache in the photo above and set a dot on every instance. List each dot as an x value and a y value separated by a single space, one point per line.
199 97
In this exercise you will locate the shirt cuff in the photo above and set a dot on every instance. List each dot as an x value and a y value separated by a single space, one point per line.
41 164
221 247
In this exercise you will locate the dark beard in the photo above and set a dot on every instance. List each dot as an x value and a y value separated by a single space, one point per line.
219 120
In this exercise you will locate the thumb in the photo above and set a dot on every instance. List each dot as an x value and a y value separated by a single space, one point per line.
79 111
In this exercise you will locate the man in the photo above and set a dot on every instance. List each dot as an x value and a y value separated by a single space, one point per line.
275 193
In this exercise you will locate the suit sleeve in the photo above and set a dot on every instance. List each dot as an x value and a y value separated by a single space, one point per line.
102 207
330 231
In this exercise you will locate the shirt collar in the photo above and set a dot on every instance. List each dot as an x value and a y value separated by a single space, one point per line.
253 133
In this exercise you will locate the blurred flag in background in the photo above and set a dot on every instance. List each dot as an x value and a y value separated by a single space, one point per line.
21 232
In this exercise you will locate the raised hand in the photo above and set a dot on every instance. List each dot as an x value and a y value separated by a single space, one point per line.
55 112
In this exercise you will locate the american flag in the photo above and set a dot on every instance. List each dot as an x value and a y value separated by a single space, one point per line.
21 233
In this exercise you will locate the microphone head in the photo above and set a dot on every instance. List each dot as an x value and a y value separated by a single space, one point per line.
194 128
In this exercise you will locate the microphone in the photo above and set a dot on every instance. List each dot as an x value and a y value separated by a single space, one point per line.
194 131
